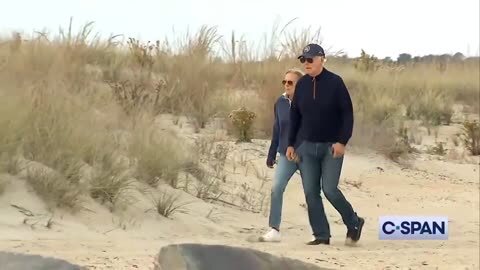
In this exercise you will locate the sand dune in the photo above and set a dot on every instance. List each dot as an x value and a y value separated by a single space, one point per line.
132 239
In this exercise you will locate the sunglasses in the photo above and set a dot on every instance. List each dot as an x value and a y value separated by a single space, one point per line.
287 82
309 60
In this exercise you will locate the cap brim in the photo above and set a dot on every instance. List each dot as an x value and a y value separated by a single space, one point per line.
306 55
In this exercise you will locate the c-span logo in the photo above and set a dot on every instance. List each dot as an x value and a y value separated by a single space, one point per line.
413 228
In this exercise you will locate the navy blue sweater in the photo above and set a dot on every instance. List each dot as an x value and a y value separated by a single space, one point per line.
321 110
281 127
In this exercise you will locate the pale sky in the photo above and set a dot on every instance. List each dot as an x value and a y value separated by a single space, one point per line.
381 27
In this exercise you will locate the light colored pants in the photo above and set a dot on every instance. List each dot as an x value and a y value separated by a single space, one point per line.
284 171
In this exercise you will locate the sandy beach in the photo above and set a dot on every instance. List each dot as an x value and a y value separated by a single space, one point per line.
375 186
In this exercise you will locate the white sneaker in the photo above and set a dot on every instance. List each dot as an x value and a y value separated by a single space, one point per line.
271 236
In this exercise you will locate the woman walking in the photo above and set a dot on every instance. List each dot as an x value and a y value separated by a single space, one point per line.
279 142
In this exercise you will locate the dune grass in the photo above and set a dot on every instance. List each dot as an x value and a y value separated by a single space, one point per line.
471 136
71 100
167 203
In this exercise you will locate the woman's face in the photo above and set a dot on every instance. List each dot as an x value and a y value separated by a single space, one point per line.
289 82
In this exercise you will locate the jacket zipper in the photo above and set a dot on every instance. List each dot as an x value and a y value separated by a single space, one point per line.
314 84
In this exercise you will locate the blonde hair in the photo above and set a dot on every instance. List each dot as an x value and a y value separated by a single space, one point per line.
295 71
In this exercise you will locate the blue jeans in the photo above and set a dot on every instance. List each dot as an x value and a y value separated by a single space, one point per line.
320 170
283 173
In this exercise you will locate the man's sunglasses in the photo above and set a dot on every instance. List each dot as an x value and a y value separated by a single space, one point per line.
287 82
309 60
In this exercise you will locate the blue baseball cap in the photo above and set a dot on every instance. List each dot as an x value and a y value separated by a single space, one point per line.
312 50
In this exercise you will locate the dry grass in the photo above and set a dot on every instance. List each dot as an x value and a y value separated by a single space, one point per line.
437 149
110 182
64 99
471 136
207 169
167 203
54 189
159 157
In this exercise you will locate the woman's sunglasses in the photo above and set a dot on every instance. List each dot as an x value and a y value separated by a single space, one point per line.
287 82
309 60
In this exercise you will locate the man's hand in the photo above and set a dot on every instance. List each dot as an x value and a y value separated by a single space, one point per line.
338 150
290 153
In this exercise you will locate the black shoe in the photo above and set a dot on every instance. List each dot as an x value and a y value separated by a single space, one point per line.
354 234
319 242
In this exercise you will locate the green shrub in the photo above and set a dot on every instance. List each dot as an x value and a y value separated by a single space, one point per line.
471 136
242 120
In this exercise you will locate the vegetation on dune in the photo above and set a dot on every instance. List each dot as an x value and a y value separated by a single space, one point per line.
471 136
242 121
86 107
167 203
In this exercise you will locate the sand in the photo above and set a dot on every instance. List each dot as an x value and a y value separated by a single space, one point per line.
374 185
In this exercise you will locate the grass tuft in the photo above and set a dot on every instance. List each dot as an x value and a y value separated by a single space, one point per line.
471 137
167 203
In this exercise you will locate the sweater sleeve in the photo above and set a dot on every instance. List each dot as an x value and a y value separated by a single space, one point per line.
272 151
295 117
346 110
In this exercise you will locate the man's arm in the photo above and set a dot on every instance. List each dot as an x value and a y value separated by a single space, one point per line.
295 117
272 152
346 109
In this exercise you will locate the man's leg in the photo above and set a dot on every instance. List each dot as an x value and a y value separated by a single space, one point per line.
311 171
283 173
331 168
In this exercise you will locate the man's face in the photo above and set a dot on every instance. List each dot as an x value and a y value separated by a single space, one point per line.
312 66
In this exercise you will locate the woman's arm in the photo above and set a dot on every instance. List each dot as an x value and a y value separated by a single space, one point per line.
272 151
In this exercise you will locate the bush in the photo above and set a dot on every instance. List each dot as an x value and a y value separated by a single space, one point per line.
366 62
110 182
438 149
434 107
158 157
242 121
54 189
401 146
471 137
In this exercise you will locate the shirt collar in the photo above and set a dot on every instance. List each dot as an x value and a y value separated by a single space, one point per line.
287 98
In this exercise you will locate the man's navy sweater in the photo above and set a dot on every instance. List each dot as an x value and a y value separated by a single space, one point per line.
321 110
281 127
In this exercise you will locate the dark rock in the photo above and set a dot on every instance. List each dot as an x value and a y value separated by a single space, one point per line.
220 257
16 261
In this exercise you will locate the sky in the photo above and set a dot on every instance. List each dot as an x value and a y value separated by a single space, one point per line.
380 27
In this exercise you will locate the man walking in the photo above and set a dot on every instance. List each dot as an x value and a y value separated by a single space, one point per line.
322 115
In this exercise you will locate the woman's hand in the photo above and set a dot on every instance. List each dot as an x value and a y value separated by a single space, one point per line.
270 163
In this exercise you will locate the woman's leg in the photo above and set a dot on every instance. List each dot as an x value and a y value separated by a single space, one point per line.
283 173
